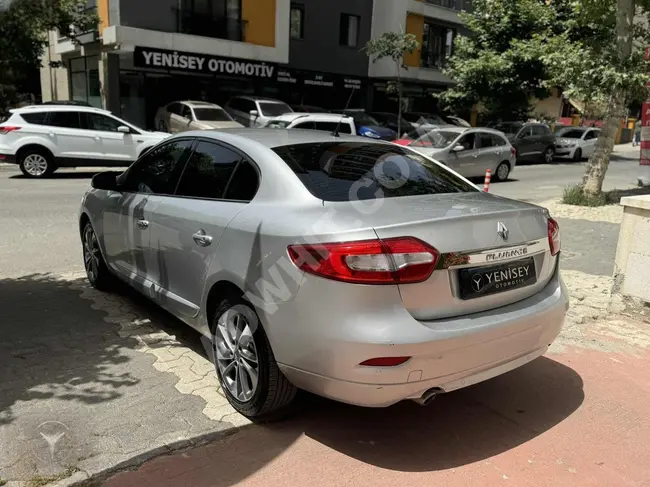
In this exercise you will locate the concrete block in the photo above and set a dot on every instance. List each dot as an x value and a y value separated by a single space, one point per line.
637 277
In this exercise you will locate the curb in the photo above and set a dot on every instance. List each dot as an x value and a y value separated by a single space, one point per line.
4 166
84 478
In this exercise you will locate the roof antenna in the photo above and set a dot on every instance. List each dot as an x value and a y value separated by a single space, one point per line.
338 125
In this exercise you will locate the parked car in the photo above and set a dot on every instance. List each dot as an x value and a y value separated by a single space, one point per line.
443 287
575 142
368 126
255 111
308 109
469 152
533 141
421 118
181 116
389 120
314 121
459 122
42 138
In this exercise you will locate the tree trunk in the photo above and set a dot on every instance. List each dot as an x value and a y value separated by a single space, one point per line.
592 181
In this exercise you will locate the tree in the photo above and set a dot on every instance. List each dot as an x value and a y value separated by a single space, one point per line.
493 68
393 45
604 69
24 25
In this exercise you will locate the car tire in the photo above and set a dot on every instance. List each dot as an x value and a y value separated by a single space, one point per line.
162 126
271 397
36 163
577 155
548 155
502 172
97 271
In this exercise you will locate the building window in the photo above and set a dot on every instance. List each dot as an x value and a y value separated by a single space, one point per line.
349 33
297 21
219 19
84 76
437 45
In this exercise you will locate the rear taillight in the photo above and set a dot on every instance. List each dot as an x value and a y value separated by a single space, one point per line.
553 236
513 151
403 260
8 128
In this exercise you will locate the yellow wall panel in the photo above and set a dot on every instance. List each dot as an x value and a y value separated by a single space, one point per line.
259 19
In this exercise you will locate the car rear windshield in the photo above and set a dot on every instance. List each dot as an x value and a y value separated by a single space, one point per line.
273 109
349 171
212 115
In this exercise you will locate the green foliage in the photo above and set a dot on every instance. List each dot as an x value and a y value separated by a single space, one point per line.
575 195
391 45
23 37
520 49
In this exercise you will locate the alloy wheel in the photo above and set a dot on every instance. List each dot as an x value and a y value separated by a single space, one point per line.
92 254
548 156
236 355
35 165
502 172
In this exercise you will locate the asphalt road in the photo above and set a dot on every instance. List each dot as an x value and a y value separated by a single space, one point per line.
38 218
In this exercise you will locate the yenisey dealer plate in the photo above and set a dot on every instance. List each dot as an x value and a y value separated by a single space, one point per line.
483 281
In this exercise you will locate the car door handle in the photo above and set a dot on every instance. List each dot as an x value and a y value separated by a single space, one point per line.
51 134
97 138
202 239
143 224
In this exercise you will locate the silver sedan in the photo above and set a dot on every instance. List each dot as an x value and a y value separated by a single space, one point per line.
354 269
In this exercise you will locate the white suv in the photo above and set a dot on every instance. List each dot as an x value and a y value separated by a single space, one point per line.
43 138
314 121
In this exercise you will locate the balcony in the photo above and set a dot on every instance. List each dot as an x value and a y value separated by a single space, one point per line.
200 24
457 5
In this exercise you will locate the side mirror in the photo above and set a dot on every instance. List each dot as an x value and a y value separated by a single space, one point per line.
458 148
106 181
124 129
254 113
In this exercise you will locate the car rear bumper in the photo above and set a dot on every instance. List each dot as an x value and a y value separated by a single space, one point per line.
470 349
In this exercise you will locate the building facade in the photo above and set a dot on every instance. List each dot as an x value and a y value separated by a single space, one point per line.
147 53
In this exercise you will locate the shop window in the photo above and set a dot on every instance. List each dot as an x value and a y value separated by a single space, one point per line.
437 45
297 21
349 30
85 85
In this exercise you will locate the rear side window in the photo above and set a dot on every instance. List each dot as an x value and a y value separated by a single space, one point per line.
485 140
348 171
243 184
36 118
208 171
541 130
498 141
70 120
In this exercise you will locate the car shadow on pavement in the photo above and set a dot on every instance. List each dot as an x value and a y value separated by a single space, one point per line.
53 348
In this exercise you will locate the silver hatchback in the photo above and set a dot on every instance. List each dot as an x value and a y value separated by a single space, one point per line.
355 269
468 151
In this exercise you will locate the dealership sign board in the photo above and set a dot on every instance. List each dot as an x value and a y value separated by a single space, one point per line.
145 57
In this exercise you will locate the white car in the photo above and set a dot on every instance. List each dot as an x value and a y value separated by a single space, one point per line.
42 138
575 142
314 121
255 111
182 116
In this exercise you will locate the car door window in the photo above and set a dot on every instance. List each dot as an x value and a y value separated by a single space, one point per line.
305 125
186 112
468 141
248 105
498 141
540 130
158 171
69 120
592 134
243 184
208 171
485 141
102 123
525 132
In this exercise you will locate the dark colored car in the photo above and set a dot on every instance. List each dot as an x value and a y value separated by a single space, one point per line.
368 126
308 109
68 103
533 141
389 120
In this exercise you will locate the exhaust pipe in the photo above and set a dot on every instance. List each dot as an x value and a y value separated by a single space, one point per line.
427 397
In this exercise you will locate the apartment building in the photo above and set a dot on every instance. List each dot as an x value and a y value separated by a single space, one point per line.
147 53
435 24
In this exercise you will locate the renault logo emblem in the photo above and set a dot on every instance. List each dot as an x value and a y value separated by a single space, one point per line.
502 231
